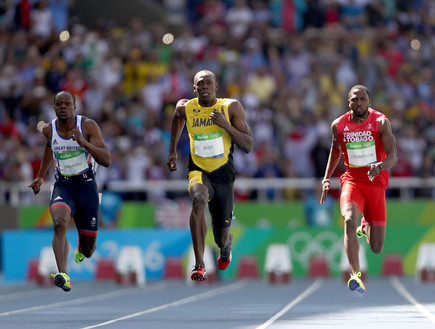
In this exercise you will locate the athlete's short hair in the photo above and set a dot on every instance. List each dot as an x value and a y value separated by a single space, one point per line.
68 92
204 72
359 87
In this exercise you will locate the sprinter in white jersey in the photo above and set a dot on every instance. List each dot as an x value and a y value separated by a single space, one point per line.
75 144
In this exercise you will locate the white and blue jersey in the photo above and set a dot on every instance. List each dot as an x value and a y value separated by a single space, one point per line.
75 187
70 159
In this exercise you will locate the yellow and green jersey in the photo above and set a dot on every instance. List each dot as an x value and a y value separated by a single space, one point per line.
210 145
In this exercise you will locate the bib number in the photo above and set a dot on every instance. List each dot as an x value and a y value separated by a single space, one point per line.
72 162
209 145
361 154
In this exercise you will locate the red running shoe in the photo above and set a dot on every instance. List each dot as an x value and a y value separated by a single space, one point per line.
223 262
198 273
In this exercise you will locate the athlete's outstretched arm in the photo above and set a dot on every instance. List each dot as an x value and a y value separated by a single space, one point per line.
178 122
239 129
46 161
94 142
333 160
389 144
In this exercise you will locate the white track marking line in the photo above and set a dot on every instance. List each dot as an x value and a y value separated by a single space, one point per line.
402 290
35 292
21 294
208 294
316 285
79 300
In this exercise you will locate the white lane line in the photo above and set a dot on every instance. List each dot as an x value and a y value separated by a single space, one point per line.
38 291
208 294
316 285
22 294
402 290
81 300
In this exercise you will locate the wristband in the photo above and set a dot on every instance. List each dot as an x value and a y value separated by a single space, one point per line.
325 180
381 165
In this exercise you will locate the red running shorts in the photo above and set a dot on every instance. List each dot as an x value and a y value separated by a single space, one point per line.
370 200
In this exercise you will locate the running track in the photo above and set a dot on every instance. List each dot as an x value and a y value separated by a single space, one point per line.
390 302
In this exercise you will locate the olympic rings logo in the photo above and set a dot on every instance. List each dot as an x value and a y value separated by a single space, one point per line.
303 246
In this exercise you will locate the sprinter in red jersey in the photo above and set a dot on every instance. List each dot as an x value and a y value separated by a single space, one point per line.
365 139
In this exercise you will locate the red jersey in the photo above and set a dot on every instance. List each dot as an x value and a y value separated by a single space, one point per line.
361 145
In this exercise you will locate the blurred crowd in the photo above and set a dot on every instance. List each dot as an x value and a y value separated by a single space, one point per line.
290 63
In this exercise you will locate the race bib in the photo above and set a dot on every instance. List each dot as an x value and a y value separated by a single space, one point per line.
361 154
209 145
72 162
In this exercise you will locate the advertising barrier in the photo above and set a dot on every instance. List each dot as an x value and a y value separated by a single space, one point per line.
20 247
255 228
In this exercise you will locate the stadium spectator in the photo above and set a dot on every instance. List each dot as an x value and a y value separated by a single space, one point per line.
312 58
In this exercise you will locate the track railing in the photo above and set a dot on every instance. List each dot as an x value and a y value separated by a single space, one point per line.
404 188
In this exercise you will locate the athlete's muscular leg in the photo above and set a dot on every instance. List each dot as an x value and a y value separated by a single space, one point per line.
375 237
351 215
223 239
87 244
61 219
198 224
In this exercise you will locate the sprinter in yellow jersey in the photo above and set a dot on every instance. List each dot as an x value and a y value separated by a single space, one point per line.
214 126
